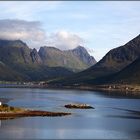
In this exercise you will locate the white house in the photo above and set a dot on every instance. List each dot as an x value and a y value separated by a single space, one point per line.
0 103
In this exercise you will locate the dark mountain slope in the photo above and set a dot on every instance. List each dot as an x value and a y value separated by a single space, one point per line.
117 59
7 74
129 75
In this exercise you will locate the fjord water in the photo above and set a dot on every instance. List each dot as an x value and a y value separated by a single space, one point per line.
114 116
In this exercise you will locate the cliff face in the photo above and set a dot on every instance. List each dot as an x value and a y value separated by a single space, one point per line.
76 60
83 55
35 56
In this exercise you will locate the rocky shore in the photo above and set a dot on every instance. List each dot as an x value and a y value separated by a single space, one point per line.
29 113
79 106
14 112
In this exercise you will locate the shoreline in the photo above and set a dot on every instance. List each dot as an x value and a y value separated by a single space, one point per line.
121 89
133 89
30 113
7 112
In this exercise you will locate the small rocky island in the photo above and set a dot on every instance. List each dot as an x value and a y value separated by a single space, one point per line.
79 106
7 112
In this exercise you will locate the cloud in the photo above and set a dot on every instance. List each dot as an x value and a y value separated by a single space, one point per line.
64 40
104 25
35 36
28 31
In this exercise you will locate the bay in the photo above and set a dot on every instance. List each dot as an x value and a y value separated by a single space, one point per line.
115 115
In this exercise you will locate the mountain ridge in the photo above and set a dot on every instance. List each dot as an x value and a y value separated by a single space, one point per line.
55 57
18 57
113 62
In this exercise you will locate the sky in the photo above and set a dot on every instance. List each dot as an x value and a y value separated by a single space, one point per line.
99 26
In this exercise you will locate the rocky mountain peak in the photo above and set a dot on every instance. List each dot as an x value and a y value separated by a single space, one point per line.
80 48
83 54
120 57
35 56
12 43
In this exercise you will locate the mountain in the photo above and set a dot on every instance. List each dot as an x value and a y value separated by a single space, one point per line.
83 55
35 57
7 74
29 64
76 60
114 61
17 53
19 62
129 75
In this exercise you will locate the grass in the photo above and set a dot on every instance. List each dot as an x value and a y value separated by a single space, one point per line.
10 109
9 112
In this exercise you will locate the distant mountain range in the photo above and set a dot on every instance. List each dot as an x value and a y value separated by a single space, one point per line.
119 65
19 62
75 60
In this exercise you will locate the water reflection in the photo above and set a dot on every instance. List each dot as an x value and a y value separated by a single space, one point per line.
114 116
117 94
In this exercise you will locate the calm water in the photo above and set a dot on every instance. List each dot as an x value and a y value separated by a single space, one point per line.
113 116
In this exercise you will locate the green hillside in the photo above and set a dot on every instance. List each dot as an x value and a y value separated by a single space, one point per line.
19 62
54 57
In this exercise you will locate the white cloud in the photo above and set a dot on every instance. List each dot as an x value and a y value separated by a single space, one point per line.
35 36
104 25
64 40
28 31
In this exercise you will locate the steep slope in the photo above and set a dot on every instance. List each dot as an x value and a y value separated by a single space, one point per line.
120 57
7 74
83 55
35 57
25 63
129 75
117 59
76 60
49 62
17 53
114 61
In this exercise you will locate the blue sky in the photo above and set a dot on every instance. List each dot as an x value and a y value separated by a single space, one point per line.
98 25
